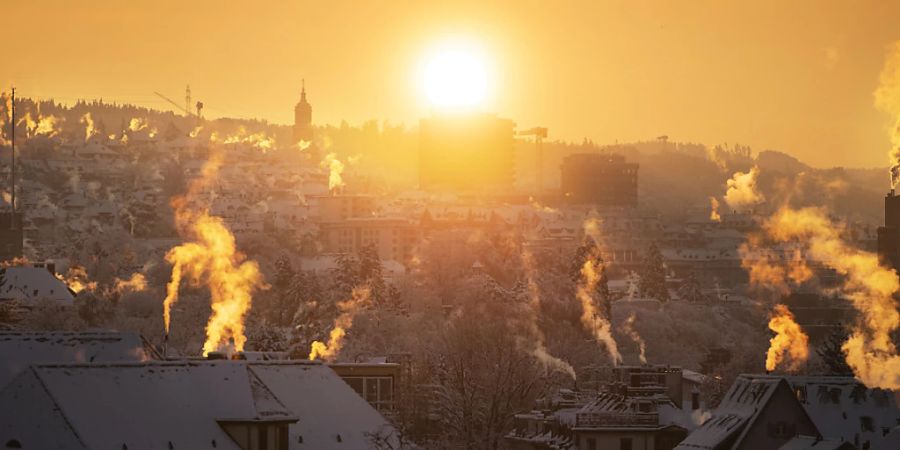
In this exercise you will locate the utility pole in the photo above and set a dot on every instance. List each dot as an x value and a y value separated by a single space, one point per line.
12 204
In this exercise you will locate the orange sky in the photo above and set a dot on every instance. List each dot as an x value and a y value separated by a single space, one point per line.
795 76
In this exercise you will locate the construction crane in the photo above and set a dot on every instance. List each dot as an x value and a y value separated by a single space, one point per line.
539 133
186 111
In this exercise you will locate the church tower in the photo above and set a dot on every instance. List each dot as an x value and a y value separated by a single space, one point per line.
303 118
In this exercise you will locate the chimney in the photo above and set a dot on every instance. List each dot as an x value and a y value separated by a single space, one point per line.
211 356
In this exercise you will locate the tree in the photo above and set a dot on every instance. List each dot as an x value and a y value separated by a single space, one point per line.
370 273
484 377
690 290
832 353
346 275
653 276
284 300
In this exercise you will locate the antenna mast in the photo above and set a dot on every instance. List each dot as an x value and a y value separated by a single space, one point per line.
12 203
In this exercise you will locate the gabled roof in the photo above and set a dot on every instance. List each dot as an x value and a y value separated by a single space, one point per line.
18 350
30 284
182 405
739 409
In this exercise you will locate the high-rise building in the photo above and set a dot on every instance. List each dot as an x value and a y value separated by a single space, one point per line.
889 234
11 236
303 118
599 179
466 152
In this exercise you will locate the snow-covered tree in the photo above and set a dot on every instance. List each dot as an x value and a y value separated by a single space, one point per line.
653 275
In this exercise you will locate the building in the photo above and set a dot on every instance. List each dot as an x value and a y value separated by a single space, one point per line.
222 405
374 381
844 409
21 349
338 207
466 152
583 420
889 234
757 412
303 118
12 236
28 285
599 179
394 238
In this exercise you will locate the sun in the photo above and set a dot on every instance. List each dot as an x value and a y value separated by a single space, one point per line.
455 76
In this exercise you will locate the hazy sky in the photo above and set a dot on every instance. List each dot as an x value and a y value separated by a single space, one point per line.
796 76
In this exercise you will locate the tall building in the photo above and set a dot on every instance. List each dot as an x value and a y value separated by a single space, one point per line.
303 118
471 152
12 237
889 234
600 179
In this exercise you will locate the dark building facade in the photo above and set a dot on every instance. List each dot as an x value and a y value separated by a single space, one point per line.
889 234
11 236
599 179
303 119
466 152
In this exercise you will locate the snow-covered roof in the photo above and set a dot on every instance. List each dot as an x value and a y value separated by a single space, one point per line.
839 406
814 443
741 406
158 405
30 284
18 349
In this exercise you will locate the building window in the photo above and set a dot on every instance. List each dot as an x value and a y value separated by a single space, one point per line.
866 423
625 444
695 400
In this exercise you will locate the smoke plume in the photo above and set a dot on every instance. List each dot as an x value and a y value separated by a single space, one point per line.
742 192
335 169
789 340
591 318
348 308
211 258
887 99
540 350
714 210
632 333
869 351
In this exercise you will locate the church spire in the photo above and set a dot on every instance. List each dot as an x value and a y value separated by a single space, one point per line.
303 90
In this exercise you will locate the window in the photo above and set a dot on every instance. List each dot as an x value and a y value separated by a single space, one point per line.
625 444
866 423
695 400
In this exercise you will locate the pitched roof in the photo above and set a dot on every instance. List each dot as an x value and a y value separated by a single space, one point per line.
740 407
180 405
18 350
30 284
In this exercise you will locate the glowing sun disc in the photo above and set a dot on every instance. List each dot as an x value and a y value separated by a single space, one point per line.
455 77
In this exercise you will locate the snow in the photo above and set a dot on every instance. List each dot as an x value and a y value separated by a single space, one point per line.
812 443
18 350
740 406
325 405
180 405
837 405
30 284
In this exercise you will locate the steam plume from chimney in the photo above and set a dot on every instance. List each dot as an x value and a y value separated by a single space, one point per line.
869 351
349 308
540 350
742 192
335 169
789 339
629 329
211 258
887 99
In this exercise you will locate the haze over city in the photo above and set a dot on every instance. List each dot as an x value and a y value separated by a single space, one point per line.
795 77
472 226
